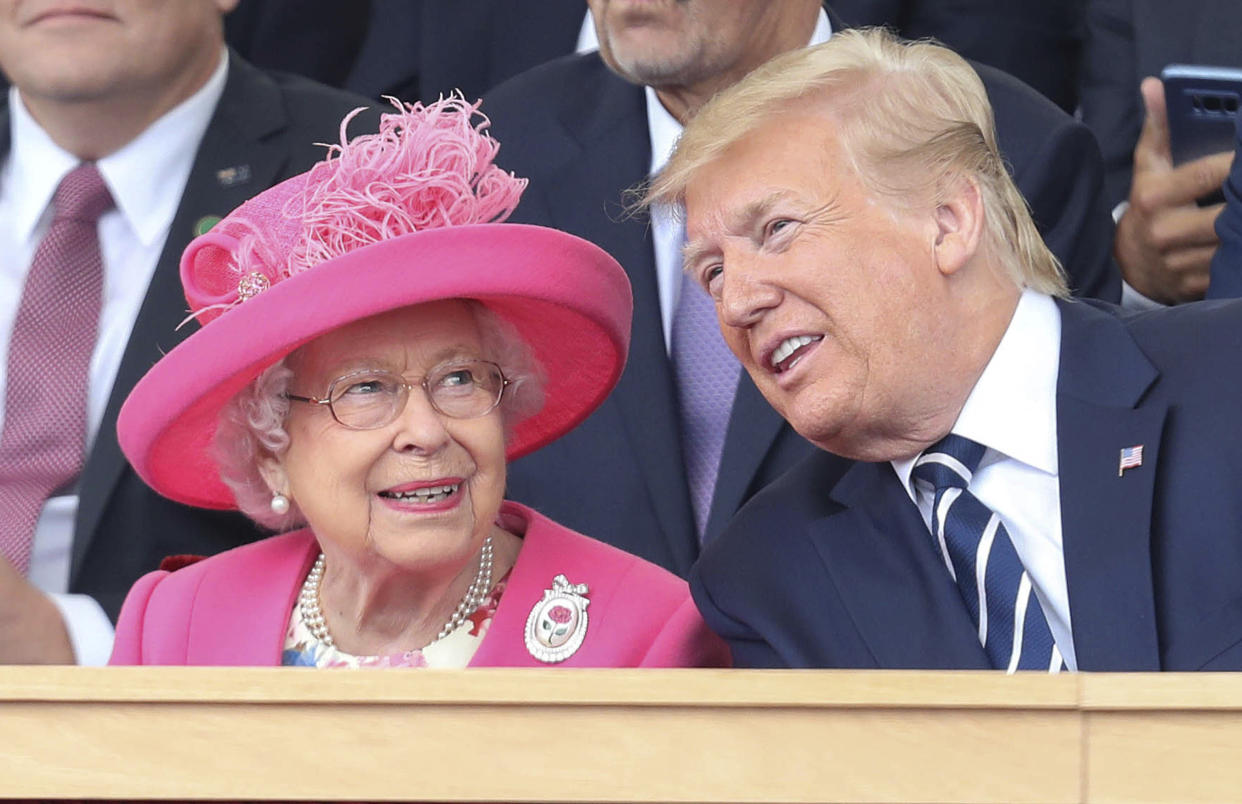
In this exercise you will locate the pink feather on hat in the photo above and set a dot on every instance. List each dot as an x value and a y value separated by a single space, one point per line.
427 167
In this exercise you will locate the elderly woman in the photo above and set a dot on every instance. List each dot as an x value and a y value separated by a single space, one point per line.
375 346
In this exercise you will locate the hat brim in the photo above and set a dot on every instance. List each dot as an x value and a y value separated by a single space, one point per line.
568 300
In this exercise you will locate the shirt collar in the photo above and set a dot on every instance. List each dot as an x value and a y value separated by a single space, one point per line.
163 152
823 29
1012 410
146 177
665 129
36 165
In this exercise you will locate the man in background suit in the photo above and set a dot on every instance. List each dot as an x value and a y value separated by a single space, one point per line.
1040 483
586 128
1164 241
181 132
1040 43
422 49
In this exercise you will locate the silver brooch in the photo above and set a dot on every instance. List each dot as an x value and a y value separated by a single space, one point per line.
558 623
251 285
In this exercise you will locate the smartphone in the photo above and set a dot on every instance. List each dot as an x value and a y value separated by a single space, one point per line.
1202 105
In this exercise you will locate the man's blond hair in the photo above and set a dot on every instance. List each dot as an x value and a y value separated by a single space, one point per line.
913 118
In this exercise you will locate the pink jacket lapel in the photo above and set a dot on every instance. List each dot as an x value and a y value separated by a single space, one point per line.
251 603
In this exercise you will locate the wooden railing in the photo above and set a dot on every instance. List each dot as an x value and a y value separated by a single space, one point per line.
617 735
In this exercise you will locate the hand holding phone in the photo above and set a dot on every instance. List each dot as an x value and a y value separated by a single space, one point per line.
1164 241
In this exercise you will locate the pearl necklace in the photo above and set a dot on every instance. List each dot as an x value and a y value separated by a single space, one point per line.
312 615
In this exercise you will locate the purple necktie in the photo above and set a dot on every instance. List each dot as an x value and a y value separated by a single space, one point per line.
706 373
44 438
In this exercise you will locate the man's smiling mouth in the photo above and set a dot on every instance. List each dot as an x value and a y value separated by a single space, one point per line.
791 350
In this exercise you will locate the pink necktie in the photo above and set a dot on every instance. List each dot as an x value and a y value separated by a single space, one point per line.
44 438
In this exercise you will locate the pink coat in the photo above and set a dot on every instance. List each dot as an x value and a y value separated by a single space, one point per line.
234 608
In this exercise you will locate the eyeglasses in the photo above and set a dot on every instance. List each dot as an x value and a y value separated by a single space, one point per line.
365 400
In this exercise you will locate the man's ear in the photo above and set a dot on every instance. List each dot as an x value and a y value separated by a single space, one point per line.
959 223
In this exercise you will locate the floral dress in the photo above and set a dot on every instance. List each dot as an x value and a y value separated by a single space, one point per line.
453 651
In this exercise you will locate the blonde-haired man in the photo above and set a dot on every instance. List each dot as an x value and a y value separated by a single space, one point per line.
668 458
1040 484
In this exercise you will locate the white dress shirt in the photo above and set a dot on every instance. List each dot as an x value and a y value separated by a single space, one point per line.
587 40
667 231
1012 411
146 178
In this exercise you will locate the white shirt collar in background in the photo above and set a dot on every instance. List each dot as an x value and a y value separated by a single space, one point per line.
166 149
148 176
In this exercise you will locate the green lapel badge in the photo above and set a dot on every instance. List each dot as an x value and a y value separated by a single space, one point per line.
204 224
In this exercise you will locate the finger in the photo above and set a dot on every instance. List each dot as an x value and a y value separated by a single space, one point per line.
1198 177
1184 228
1190 262
1152 151
1191 272
1181 186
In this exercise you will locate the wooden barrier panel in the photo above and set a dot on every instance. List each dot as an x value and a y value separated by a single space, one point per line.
1162 738
616 735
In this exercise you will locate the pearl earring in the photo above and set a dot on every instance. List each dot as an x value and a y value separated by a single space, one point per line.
279 504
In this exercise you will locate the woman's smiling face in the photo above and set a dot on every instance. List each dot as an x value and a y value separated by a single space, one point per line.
357 488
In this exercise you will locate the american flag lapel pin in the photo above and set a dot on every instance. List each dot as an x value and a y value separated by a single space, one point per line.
1131 458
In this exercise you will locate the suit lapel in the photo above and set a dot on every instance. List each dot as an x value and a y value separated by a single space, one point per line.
249 111
879 555
1106 518
611 153
753 426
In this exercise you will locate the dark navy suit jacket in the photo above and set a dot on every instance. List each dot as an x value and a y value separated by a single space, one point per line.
1226 280
580 134
268 124
833 569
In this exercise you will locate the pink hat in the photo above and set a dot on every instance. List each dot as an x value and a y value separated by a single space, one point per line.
405 216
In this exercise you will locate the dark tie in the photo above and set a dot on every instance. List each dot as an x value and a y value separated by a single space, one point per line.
44 438
706 373
981 558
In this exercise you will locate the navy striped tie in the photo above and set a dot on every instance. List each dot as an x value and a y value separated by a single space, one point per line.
980 556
